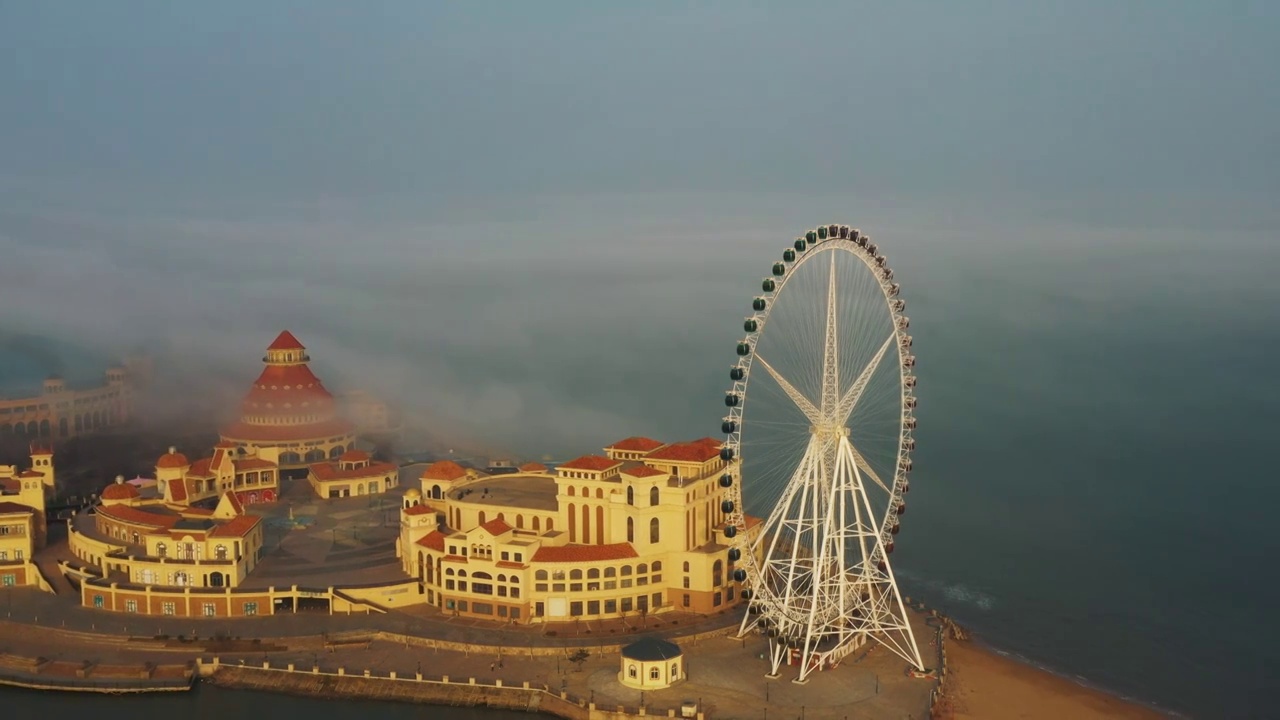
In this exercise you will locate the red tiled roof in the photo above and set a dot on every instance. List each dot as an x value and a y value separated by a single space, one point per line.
287 433
40 448
238 526
696 451
11 485
750 521
254 464
138 516
29 474
444 470
201 467
585 553
172 460
419 510
496 527
355 456
286 341
235 501
9 508
595 463
455 558
178 490
120 491
636 444
643 471
329 471
433 540
533 467
509 564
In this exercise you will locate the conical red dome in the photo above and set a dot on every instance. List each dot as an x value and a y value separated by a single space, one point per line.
287 402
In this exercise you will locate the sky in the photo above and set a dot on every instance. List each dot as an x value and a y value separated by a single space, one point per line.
426 192
537 227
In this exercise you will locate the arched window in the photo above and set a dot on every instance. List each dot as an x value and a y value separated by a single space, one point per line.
502 578
520 521
599 493
653 531
654 672
653 495
220 552
586 492
657 566
610 572
448 571
631 496
717 574
642 569
572 491
435 492
551 524
686 566
626 571
162 550
631 671
515 579
593 574
575 574
481 517
675 671
631 529
537 524
462 573
540 575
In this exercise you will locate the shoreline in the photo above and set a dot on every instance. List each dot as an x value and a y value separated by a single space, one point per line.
990 683
978 680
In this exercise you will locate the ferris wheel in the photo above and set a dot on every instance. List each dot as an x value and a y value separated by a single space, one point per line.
820 433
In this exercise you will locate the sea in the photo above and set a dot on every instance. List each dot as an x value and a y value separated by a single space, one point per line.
1093 488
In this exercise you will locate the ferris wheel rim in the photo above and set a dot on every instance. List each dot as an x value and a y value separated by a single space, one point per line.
902 342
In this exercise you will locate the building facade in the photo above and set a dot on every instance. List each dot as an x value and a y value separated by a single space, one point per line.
251 475
353 473
145 542
635 531
22 516
62 412
289 410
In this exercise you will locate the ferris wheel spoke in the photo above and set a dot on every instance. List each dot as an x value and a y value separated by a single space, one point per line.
831 348
796 396
851 397
866 468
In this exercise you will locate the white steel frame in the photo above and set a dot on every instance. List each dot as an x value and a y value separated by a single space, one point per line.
826 598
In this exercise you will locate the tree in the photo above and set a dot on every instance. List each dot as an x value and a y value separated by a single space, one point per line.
579 657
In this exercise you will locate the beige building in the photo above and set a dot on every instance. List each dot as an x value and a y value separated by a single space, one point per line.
22 516
251 475
353 473
132 540
638 530
62 412
651 664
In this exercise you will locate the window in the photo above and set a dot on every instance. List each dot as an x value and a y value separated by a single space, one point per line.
685 602
631 672
97 601
686 566
657 566
540 575
653 531
482 588
9 580
162 550
653 495
575 608
168 608
505 555
631 529
717 574
631 496
515 592
675 671
131 606
610 607
220 552
519 557
17 554
575 574
654 673
251 608
210 610
593 607
716 600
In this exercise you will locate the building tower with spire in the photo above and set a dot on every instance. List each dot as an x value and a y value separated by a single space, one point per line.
288 410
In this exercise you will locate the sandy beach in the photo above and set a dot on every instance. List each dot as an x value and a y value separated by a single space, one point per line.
982 684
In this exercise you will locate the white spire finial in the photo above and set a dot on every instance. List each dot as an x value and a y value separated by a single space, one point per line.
119 479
